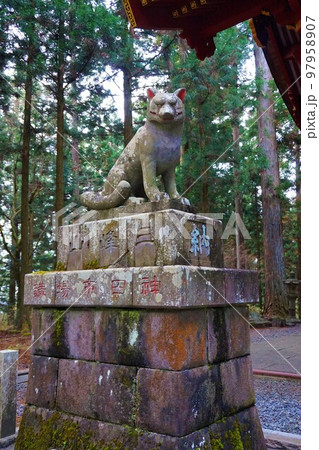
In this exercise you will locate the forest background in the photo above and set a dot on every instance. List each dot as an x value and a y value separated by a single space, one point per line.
61 132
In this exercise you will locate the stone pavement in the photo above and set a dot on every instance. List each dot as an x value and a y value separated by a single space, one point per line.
280 351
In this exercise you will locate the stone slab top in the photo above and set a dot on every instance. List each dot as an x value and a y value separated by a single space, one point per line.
139 206
9 352
171 287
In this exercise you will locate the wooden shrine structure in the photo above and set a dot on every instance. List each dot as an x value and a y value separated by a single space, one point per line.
275 27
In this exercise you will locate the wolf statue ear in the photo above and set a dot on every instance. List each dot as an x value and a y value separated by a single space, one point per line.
150 93
180 93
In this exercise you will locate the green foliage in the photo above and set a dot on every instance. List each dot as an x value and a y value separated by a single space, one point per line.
96 47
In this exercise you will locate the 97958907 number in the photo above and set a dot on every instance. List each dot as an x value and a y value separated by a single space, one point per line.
310 47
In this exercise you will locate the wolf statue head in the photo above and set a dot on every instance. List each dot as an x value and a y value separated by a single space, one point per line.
166 108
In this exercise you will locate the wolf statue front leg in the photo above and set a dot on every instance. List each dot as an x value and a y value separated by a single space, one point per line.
149 181
170 186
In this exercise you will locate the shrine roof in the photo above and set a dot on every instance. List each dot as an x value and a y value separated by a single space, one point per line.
275 25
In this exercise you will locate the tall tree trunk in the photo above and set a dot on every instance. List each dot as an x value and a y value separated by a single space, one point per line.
31 235
205 198
241 261
25 163
75 147
59 196
12 291
128 109
276 302
128 70
258 244
201 149
16 243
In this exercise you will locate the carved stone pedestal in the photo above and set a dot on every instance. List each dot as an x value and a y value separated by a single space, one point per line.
142 357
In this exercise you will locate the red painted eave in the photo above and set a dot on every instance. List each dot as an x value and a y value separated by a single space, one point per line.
275 27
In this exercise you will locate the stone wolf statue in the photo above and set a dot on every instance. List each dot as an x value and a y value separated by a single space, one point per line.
154 150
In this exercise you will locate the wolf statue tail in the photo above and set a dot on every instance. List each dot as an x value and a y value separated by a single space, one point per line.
93 200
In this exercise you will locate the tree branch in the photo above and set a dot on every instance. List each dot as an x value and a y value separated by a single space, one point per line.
5 244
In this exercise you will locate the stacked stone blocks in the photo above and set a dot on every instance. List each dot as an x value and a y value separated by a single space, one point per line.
142 357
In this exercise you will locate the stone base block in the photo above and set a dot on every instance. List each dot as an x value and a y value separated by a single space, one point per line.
154 339
43 429
8 374
160 362
176 287
163 401
154 238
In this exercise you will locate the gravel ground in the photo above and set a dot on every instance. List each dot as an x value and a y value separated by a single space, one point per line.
21 395
278 403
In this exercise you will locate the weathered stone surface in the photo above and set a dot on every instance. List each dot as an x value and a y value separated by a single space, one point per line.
107 243
228 333
112 287
79 335
159 287
174 340
8 375
79 288
49 429
215 285
241 286
101 391
64 334
176 403
131 208
178 287
240 431
198 439
42 428
44 337
117 337
148 287
238 337
157 238
236 379
39 289
42 381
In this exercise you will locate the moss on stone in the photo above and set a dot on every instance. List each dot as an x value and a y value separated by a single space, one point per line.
134 393
130 318
216 443
42 272
236 437
60 266
91 265
59 328
233 437
58 432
